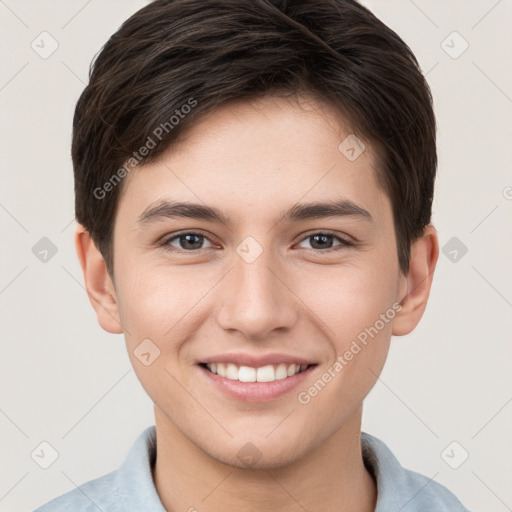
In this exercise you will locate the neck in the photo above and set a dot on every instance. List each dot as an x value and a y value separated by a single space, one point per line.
331 478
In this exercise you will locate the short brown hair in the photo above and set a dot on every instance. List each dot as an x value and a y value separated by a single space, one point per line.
206 53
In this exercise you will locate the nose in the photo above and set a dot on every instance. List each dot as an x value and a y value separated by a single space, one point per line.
256 300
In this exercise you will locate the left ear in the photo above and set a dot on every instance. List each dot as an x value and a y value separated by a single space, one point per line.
423 260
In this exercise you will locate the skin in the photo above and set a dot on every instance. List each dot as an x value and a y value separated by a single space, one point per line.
252 161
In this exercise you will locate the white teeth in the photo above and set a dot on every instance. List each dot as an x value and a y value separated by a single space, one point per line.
221 369
267 373
247 374
281 372
292 370
232 372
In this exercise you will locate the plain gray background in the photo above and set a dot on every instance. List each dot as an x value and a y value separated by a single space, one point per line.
66 382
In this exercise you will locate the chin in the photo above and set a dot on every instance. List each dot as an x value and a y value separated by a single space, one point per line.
257 455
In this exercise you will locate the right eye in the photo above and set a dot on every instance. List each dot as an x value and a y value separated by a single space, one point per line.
189 241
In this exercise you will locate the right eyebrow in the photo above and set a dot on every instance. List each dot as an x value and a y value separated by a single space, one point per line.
320 210
168 210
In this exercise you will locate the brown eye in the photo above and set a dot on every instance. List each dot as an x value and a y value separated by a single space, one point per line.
189 242
322 241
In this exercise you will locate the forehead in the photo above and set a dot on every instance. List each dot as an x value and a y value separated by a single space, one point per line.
284 120
266 151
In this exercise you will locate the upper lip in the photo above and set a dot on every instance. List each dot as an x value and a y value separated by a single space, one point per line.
254 361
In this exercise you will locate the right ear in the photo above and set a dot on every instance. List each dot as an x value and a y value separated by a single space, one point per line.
98 283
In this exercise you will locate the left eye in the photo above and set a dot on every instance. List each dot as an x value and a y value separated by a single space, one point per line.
325 240
188 241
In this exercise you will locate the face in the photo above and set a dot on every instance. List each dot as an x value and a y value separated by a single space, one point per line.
257 283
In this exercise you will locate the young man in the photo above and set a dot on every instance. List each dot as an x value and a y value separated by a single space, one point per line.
253 185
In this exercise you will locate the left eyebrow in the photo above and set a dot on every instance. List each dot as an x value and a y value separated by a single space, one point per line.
320 210
168 210
165 209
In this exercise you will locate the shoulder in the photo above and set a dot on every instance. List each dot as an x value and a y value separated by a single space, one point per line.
427 492
130 487
98 494
397 485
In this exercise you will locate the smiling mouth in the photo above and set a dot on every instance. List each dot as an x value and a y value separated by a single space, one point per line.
268 373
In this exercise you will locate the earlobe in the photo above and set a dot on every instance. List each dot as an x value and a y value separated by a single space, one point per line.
423 260
98 283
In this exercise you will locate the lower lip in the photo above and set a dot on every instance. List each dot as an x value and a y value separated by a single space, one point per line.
256 391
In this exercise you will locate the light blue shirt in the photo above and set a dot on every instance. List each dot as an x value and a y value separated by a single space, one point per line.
131 489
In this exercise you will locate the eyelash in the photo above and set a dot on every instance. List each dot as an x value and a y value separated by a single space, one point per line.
344 243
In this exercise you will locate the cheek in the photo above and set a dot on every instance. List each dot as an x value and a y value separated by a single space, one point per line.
359 343
157 307
356 305
154 301
349 300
